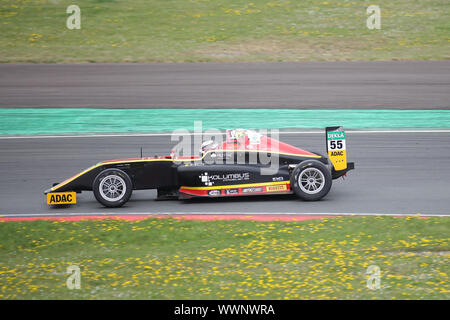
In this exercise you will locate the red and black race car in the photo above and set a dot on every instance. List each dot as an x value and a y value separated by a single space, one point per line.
247 163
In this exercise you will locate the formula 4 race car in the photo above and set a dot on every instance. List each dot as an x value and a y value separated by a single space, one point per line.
246 163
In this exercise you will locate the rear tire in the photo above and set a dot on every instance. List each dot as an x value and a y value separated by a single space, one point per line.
311 180
112 188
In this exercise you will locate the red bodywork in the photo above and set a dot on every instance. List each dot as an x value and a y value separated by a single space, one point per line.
242 143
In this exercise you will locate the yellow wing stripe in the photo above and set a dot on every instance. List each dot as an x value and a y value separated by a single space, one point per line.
237 185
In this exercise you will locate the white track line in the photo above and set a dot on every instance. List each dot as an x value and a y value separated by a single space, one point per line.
221 213
195 134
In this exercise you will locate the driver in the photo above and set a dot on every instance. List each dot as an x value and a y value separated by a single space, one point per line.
208 145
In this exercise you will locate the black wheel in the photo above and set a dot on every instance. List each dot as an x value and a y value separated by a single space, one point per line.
112 188
311 180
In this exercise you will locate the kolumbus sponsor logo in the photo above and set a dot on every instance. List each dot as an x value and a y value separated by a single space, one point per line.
208 179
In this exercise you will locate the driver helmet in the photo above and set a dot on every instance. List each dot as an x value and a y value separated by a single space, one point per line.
208 145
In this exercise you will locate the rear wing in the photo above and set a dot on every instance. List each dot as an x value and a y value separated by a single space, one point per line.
336 147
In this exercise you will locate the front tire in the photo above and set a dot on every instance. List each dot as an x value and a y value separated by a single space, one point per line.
311 180
112 188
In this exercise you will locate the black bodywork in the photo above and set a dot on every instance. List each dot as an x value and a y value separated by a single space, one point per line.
169 175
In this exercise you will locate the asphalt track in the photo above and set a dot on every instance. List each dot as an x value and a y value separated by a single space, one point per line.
396 173
392 84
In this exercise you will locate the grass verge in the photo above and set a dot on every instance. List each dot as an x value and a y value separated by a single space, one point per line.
179 259
217 30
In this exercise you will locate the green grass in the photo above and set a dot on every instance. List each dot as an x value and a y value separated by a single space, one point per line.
222 30
175 259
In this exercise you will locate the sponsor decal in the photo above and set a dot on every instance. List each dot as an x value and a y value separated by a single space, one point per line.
214 192
209 179
231 191
61 198
336 147
282 187
336 135
252 190
205 179
277 179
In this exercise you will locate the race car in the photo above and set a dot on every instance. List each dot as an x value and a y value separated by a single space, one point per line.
246 163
